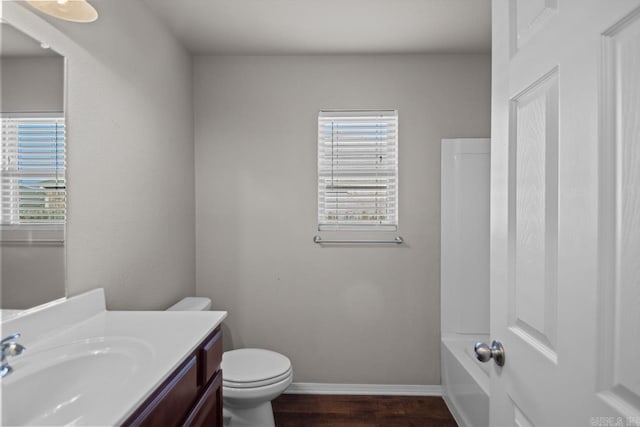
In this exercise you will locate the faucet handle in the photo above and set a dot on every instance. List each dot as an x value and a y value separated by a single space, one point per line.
8 347
10 338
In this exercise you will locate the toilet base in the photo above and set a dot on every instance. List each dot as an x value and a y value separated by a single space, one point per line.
256 416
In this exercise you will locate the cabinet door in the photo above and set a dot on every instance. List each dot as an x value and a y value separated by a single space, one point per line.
210 357
208 410
170 403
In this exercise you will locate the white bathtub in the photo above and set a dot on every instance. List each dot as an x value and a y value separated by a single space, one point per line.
465 381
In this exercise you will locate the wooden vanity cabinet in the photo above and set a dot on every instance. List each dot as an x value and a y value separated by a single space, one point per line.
191 396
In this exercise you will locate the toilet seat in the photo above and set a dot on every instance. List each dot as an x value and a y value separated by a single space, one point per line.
254 384
253 367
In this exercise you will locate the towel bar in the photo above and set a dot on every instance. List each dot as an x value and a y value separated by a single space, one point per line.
397 241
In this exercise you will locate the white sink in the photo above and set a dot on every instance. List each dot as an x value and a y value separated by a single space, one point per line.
55 385
85 365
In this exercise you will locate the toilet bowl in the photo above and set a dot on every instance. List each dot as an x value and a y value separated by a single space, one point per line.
251 378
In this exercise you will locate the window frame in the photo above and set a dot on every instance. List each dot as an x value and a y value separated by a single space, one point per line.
383 177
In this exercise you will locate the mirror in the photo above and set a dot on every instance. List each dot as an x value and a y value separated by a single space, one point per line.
33 185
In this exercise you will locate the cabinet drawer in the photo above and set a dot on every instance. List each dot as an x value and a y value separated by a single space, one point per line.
208 410
171 402
210 357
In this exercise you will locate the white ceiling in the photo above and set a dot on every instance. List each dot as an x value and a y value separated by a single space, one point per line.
328 26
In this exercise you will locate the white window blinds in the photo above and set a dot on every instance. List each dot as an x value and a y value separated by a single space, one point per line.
358 170
33 172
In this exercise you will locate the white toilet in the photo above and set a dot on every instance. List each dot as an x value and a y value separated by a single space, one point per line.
251 378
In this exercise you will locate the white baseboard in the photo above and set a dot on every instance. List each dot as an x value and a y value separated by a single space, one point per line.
365 389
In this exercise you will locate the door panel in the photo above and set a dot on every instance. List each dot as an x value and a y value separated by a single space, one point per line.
565 212
528 17
534 143
620 281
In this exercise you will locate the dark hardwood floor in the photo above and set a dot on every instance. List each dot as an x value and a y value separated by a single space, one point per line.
297 410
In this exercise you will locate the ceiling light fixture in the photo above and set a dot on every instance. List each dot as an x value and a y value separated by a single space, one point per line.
69 10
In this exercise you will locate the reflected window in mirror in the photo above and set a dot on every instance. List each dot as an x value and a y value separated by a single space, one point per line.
33 176
33 184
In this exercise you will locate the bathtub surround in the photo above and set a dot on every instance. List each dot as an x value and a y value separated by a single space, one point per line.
343 315
465 277
130 212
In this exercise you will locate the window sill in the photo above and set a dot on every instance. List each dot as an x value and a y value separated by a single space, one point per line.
20 234
353 227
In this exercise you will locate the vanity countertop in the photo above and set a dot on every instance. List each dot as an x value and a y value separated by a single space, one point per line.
130 353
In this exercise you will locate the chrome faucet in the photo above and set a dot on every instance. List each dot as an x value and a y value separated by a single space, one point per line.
9 347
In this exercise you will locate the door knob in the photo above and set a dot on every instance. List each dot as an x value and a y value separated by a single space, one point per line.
495 352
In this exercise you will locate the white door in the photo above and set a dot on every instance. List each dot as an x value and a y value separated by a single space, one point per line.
565 212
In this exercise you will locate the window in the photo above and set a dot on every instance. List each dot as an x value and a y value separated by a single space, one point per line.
33 173
358 170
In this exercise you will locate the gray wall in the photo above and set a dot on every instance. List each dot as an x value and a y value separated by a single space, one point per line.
130 223
342 314
31 274
31 84
131 203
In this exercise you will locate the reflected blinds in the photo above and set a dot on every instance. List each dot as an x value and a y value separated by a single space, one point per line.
33 171
358 170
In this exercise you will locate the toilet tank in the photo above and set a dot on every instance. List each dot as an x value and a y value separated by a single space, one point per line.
192 304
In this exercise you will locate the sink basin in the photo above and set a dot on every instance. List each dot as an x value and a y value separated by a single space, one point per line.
50 386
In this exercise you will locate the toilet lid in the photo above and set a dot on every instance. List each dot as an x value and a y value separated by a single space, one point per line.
247 366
